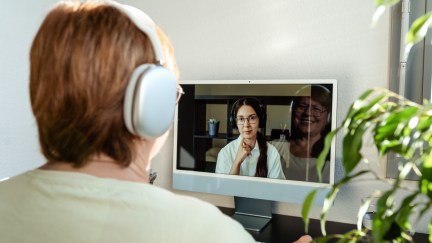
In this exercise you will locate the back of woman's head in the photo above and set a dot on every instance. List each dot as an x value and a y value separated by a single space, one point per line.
80 62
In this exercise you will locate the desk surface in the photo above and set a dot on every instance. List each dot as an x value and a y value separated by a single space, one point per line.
283 228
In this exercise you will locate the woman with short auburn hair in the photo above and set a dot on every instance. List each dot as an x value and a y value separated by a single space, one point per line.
95 184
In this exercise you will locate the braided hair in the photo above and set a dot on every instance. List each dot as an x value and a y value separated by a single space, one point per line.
262 168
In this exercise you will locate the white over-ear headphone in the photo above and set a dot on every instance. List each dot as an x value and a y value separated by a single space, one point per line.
150 98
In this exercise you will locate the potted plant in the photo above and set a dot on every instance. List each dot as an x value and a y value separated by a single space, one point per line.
398 126
213 126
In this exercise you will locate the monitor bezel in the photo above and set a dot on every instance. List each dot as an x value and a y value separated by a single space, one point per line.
290 191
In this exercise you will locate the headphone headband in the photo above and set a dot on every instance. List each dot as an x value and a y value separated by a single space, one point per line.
145 24
150 98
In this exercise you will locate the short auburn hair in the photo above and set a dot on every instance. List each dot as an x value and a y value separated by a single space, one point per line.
81 60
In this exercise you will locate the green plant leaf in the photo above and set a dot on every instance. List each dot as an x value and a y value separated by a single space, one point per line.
386 146
387 3
321 160
307 204
382 223
362 110
328 201
362 211
394 118
398 132
425 182
331 195
418 29
417 32
356 105
385 130
430 231
381 6
350 236
390 224
405 211
379 228
351 146
424 123
397 125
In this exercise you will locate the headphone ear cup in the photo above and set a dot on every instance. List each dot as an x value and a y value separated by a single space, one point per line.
232 118
150 101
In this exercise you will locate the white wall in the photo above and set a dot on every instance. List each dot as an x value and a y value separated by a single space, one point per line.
19 149
275 39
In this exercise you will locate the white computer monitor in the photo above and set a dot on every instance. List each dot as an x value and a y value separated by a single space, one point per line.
196 151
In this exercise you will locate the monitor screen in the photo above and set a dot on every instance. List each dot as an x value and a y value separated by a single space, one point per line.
224 126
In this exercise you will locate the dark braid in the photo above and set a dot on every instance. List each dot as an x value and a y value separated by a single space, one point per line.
261 168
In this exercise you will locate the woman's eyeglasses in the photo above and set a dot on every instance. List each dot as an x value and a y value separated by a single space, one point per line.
180 92
314 110
252 119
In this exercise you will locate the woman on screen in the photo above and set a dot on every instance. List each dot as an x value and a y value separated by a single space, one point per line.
311 116
249 154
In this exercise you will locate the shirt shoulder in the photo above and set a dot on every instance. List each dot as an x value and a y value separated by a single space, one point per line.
153 214
203 221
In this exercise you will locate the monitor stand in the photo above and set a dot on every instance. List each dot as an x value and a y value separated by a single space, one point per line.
253 214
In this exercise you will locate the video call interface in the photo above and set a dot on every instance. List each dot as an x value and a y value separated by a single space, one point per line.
291 119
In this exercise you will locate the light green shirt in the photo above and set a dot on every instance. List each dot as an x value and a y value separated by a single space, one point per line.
51 206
